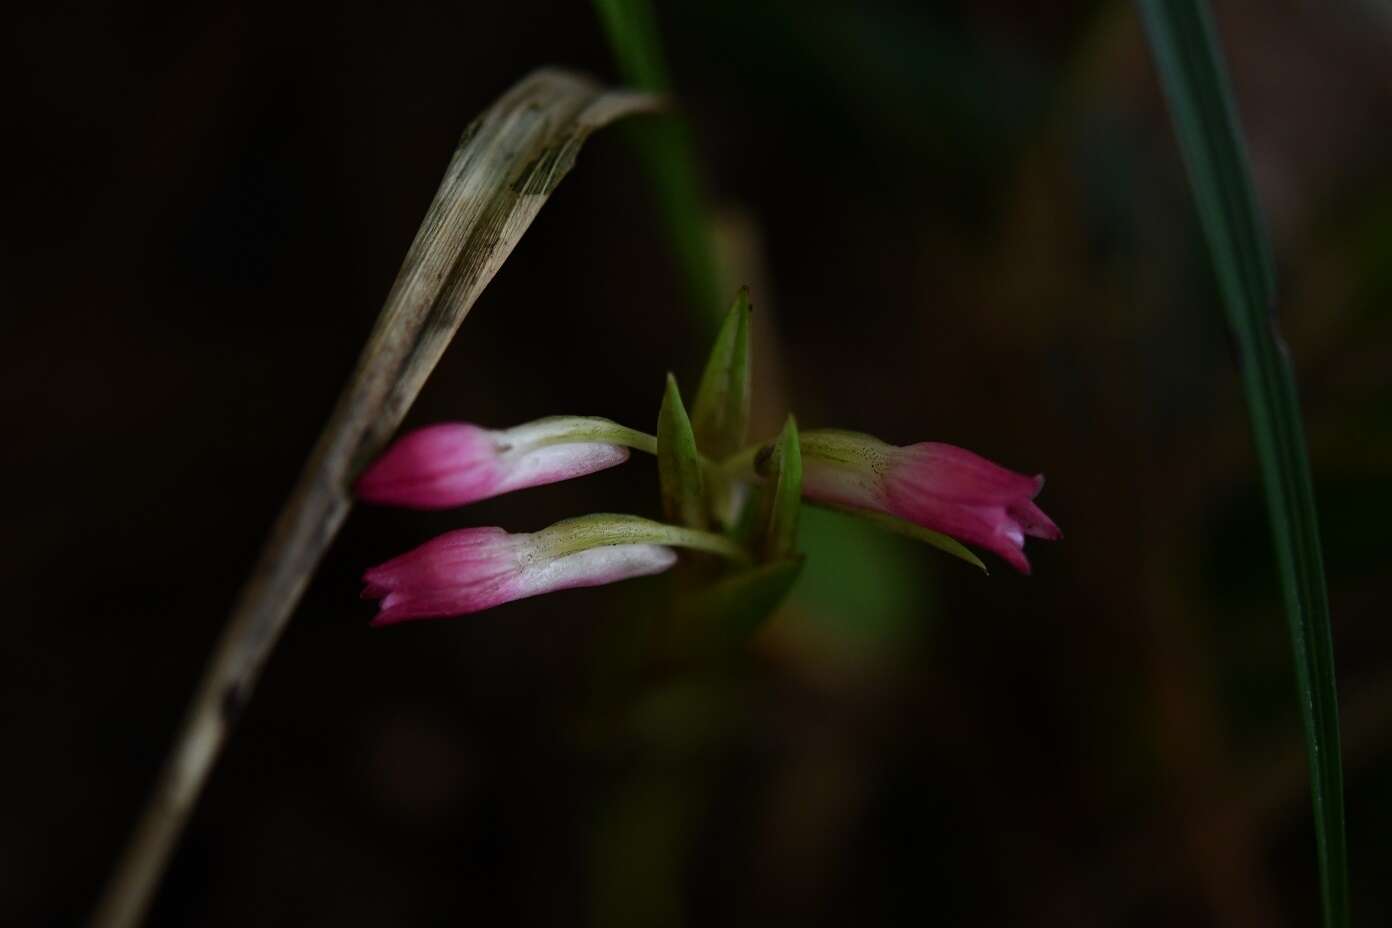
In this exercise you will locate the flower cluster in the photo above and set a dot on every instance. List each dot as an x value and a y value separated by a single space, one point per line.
937 492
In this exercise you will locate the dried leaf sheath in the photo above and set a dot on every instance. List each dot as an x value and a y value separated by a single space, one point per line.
507 163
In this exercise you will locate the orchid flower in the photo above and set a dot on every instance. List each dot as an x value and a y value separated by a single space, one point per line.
472 569
454 463
939 487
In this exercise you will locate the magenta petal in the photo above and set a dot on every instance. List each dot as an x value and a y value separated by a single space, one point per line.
989 527
938 486
959 474
477 568
953 491
1015 558
448 465
436 467
1034 522
455 574
446 556
440 604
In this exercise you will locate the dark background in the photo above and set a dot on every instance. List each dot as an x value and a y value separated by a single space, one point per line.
963 222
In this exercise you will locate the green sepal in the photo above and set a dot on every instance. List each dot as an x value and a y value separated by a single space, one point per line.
600 529
784 495
720 414
917 532
678 463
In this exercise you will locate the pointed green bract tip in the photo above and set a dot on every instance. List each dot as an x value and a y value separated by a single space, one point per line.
786 495
679 463
720 414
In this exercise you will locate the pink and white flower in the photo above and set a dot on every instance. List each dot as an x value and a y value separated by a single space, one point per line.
441 466
477 568
940 487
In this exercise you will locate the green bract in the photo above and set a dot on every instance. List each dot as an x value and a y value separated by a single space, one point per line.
585 532
784 495
720 415
679 463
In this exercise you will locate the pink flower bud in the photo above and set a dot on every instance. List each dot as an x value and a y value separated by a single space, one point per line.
455 463
477 568
940 487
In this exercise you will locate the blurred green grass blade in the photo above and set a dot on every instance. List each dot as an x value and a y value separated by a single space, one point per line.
1182 37
631 29
666 154
678 463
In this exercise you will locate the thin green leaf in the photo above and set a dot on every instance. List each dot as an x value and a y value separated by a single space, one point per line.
1182 37
917 532
720 415
785 496
678 463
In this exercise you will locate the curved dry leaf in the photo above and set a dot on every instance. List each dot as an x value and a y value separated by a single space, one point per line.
505 167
